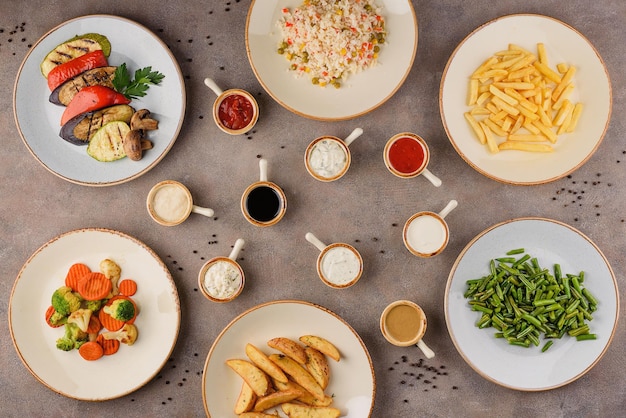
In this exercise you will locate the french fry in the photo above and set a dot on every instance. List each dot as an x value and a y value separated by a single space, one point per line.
262 361
524 146
321 344
289 348
298 374
518 99
294 410
276 398
246 400
317 365
252 375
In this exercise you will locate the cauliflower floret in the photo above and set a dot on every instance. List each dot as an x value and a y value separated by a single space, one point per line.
81 318
113 272
126 335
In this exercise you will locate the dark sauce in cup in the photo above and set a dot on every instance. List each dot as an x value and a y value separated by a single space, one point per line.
263 204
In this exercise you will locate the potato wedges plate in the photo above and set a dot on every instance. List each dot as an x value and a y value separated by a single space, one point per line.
352 382
563 44
38 120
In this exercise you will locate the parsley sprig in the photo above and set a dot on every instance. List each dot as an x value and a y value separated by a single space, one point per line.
135 88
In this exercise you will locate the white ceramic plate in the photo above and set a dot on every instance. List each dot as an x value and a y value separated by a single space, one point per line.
38 120
522 368
361 92
352 378
563 44
66 372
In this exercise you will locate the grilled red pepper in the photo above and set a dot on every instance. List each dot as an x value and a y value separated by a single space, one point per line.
92 98
61 73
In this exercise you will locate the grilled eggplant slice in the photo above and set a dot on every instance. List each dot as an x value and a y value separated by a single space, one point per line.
80 129
74 47
108 143
101 76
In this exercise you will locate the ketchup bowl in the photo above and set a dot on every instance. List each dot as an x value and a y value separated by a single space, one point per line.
235 111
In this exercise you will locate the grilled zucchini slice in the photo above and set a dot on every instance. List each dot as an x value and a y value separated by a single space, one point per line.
73 48
107 144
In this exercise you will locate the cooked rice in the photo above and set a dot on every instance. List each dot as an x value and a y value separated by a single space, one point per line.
330 39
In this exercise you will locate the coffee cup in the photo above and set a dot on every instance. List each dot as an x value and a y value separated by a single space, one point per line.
403 323
235 111
221 279
170 203
426 233
406 155
263 203
339 265
328 158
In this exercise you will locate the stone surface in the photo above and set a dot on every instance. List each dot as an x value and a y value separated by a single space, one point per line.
366 208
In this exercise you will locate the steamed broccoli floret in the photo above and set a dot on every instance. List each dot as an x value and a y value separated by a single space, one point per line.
121 309
73 338
57 319
64 301
93 305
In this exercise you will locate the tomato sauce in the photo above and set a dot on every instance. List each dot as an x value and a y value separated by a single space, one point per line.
236 112
406 155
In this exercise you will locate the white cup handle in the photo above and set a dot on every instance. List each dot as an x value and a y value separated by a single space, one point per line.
313 240
236 248
263 169
354 135
449 207
202 211
431 177
213 86
425 349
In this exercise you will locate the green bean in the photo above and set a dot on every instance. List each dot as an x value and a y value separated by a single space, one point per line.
546 346
524 301
585 337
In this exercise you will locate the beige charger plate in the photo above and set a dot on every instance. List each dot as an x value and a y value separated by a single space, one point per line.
352 381
111 376
563 44
360 94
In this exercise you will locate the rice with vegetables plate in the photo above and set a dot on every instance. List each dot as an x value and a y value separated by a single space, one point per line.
330 39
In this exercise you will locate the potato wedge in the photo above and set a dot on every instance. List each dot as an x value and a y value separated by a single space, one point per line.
306 397
317 365
257 415
294 410
289 348
252 375
298 374
246 400
276 398
322 345
262 361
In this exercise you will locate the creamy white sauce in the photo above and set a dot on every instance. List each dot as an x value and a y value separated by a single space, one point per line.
222 280
327 158
426 234
171 203
340 265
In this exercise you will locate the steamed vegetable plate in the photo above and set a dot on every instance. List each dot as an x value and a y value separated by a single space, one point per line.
96 310
97 98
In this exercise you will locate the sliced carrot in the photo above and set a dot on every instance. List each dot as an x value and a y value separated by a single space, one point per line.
75 273
91 351
127 287
49 312
108 322
94 286
94 326
109 346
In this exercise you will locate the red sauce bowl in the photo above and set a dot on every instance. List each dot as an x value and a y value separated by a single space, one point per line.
235 111
406 155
